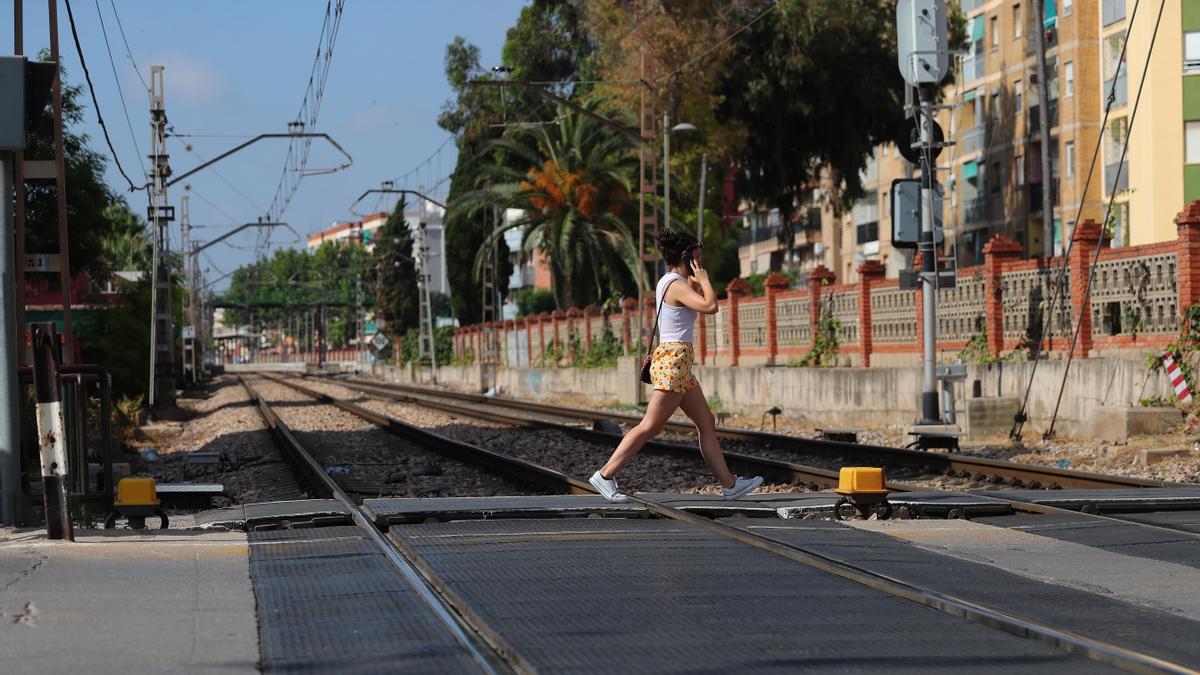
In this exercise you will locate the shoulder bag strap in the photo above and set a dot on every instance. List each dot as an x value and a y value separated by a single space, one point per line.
657 313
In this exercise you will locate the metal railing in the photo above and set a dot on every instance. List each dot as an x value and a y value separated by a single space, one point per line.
755 235
975 210
1122 91
1114 182
974 139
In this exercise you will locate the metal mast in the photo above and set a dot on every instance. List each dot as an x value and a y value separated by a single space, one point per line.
489 349
426 348
189 299
160 215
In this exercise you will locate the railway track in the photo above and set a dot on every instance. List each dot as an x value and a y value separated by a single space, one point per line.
487 644
902 461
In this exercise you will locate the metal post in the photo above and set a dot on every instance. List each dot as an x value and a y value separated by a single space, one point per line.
52 440
929 394
1044 130
700 209
10 389
64 270
666 170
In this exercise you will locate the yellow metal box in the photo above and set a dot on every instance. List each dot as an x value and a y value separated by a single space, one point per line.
136 492
860 480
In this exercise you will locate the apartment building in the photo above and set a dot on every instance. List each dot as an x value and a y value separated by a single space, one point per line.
992 177
364 232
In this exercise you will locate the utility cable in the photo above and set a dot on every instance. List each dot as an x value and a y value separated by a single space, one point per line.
713 48
1087 289
128 51
1048 315
92 90
120 90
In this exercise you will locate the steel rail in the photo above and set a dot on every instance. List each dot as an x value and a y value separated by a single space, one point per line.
1028 475
1068 641
770 468
487 648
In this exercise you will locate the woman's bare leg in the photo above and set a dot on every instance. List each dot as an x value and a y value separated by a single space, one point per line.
660 408
696 407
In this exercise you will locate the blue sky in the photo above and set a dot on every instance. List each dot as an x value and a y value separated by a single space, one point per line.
240 68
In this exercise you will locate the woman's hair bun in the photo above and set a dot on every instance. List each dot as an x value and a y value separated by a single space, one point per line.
672 244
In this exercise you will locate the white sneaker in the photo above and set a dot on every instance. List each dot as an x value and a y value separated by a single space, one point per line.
741 487
608 488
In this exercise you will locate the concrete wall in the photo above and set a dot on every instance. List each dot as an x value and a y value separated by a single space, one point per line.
844 396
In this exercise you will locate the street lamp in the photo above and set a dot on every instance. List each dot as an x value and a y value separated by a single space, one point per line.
684 128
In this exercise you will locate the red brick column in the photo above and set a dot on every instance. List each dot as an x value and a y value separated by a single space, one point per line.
649 310
820 277
588 313
736 290
998 252
542 318
556 318
510 328
628 309
703 328
1187 257
870 273
1086 238
774 283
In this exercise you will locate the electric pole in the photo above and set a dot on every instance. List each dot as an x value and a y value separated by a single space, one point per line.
189 334
426 346
1044 130
162 359
646 193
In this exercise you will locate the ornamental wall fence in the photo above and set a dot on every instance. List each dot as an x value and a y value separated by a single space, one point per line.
1138 294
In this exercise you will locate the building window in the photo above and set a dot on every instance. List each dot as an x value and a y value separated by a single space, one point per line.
1191 52
995 33
1069 76
993 178
1018 90
1070 150
1067 7
1111 11
1017 20
1192 135
1019 160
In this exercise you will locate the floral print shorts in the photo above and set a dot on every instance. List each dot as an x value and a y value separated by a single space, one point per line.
671 367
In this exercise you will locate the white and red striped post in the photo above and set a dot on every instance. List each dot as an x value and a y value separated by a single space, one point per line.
1177 381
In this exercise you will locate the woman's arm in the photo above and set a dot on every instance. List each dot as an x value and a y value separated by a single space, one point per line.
704 302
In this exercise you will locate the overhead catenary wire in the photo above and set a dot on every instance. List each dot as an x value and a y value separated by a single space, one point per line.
296 161
1087 288
128 51
1048 315
95 103
721 42
120 89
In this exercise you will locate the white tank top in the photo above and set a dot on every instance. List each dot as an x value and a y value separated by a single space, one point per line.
675 324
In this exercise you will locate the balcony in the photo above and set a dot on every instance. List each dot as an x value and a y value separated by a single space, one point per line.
1035 196
1115 183
1033 125
975 210
748 236
1111 11
973 68
1121 93
974 139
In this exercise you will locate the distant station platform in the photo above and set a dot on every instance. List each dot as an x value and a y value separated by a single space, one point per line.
575 584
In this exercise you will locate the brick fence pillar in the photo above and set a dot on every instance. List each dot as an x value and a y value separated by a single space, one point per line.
1187 257
628 309
736 290
589 313
870 272
998 252
649 312
774 283
820 277
1086 238
542 318
703 328
478 343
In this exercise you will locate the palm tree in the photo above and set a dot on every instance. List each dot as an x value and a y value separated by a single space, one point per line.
572 182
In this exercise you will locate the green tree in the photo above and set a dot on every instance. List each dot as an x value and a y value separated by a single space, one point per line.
815 87
571 183
396 274
127 247
88 196
470 116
